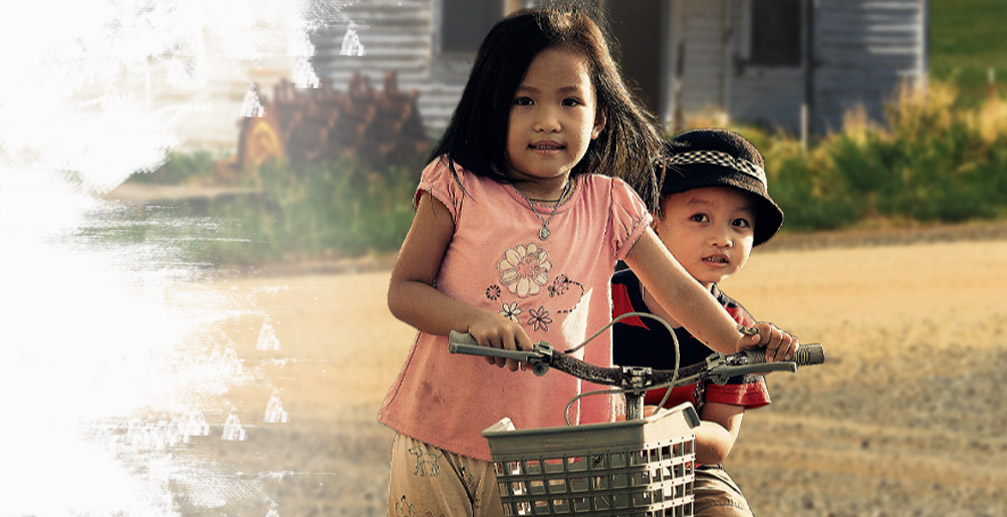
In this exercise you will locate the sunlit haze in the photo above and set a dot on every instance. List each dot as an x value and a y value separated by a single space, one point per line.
113 353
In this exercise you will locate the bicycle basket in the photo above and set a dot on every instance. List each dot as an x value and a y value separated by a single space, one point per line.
640 467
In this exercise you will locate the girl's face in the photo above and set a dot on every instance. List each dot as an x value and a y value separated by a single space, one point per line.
552 120
709 230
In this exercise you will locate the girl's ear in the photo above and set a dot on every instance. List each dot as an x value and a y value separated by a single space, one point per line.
599 124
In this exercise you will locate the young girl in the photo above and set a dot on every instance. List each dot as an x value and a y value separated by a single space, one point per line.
515 236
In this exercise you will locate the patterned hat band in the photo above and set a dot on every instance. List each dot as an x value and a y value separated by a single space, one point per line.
720 158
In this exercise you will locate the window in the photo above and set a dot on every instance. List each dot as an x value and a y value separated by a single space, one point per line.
775 33
464 23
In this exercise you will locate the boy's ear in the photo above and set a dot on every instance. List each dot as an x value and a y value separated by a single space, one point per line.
599 124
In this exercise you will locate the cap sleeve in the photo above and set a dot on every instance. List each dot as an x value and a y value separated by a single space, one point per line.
629 220
438 180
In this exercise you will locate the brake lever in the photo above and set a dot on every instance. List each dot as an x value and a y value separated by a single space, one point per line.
538 358
720 373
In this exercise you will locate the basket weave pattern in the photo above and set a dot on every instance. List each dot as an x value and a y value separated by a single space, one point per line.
643 467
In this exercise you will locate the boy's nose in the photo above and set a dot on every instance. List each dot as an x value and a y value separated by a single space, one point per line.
721 238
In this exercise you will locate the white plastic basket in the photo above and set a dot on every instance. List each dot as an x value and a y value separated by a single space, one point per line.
642 467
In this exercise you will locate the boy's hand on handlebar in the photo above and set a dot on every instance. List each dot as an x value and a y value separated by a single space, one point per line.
499 332
780 345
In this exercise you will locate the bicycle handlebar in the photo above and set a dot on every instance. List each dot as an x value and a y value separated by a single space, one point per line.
717 367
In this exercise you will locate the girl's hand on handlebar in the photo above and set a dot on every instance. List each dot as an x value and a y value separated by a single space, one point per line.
780 345
499 332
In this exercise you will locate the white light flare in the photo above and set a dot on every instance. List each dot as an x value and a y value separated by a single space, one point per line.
95 333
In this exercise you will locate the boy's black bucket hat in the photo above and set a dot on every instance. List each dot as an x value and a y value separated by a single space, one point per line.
719 157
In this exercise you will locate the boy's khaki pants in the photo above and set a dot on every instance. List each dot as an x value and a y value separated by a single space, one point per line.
717 495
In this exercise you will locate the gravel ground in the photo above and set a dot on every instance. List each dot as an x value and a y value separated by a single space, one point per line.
906 418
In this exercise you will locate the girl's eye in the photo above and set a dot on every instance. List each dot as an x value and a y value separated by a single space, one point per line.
742 223
523 101
699 218
571 102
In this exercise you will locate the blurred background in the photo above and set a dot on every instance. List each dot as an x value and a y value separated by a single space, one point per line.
200 202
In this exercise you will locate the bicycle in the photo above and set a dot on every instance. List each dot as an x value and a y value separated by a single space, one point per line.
640 466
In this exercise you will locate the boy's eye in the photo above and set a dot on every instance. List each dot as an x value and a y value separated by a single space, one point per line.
523 101
742 223
699 218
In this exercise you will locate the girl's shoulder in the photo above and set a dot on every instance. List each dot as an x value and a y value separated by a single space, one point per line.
604 183
439 166
452 184
441 172
613 190
443 169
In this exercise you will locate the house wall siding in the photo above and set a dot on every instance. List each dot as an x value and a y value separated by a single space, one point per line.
770 96
865 51
703 66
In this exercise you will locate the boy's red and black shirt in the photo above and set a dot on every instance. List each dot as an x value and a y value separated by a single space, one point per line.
640 341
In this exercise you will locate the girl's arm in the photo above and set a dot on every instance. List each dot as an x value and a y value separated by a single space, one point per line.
684 298
413 299
717 432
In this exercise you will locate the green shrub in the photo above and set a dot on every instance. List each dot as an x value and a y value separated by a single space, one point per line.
342 208
933 161
179 168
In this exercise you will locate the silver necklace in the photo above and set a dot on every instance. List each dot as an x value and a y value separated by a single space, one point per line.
543 232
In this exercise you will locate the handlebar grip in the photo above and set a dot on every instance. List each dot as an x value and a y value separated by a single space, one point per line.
456 338
812 353
464 343
809 354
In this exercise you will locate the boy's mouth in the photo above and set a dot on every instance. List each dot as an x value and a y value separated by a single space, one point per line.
716 259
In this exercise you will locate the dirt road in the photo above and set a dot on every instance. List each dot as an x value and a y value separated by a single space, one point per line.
908 417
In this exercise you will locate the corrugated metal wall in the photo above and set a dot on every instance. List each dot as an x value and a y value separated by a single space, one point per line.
703 68
865 50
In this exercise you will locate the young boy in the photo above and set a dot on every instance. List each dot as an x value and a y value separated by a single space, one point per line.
715 207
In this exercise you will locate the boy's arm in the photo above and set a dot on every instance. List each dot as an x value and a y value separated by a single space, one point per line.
684 298
413 299
717 432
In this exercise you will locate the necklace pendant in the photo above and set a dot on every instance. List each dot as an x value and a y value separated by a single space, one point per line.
543 232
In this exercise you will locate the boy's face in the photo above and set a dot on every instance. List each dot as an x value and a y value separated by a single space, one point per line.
709 230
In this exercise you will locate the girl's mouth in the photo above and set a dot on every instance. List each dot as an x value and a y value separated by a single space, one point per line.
546 146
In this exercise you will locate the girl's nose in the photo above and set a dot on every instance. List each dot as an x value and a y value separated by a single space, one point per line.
547 121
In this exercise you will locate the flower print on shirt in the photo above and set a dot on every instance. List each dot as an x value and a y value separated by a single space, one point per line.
558 286
493 292
524 269
539 319
510 311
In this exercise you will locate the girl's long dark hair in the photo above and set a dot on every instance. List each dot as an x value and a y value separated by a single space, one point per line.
476 138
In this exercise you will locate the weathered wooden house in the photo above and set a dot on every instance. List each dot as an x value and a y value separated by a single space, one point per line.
798 65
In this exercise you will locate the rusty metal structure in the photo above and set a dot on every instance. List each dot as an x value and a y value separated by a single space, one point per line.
306 126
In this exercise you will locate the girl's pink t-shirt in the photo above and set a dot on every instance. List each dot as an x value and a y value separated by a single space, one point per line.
557 289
